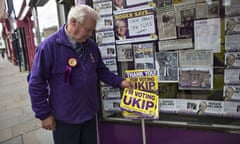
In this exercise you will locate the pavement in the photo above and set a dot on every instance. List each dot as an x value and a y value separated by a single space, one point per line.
17 122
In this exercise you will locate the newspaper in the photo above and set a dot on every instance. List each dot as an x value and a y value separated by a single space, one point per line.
124 52
136 25
163 3
167 105
192 58
175 44
103 8
205 10
105 37
108 51
110 92
231 7
145 79
166 23
200 107
232 59
231 93
207 34
196 78
232 76
111 105
232 42
232 25
111 63
201 10
232 109
105 23
143 55
140 102
185 12
167 66
186 106
131 4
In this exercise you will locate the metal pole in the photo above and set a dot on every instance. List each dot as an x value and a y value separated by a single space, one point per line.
143 131
38 35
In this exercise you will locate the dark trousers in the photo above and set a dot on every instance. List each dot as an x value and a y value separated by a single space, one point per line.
84 133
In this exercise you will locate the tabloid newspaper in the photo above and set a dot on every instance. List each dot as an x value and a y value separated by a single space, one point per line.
103 7
163 3
231 7
200 107
124 52
232 59
105 23
232 76
192 58
105 37
167 66
127 4
232 109
195 78
232 25
111 105
231 93
205 10
143 55
135 25
108 51
167 105
207 34
110 92
140 102
184 13
232 43
166 23
175 44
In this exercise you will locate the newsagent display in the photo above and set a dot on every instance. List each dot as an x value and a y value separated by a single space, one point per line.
183 57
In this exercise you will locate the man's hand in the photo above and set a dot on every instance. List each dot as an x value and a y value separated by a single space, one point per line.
127 84
49 123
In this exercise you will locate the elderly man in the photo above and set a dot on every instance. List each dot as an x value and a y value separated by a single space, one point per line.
63 85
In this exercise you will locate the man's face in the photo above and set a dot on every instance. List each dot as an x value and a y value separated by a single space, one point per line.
230 59
122 28
202 107
229 92
82 31
118 2
231 24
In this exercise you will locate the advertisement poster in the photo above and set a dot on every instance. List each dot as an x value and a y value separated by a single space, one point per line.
140 102
135 26
146 79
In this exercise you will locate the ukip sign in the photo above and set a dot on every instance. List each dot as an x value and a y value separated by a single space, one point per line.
140 102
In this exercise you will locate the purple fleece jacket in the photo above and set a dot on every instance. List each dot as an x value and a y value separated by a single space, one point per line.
73 101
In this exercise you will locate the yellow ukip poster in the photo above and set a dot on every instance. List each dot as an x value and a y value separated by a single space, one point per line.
143 79
140 102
